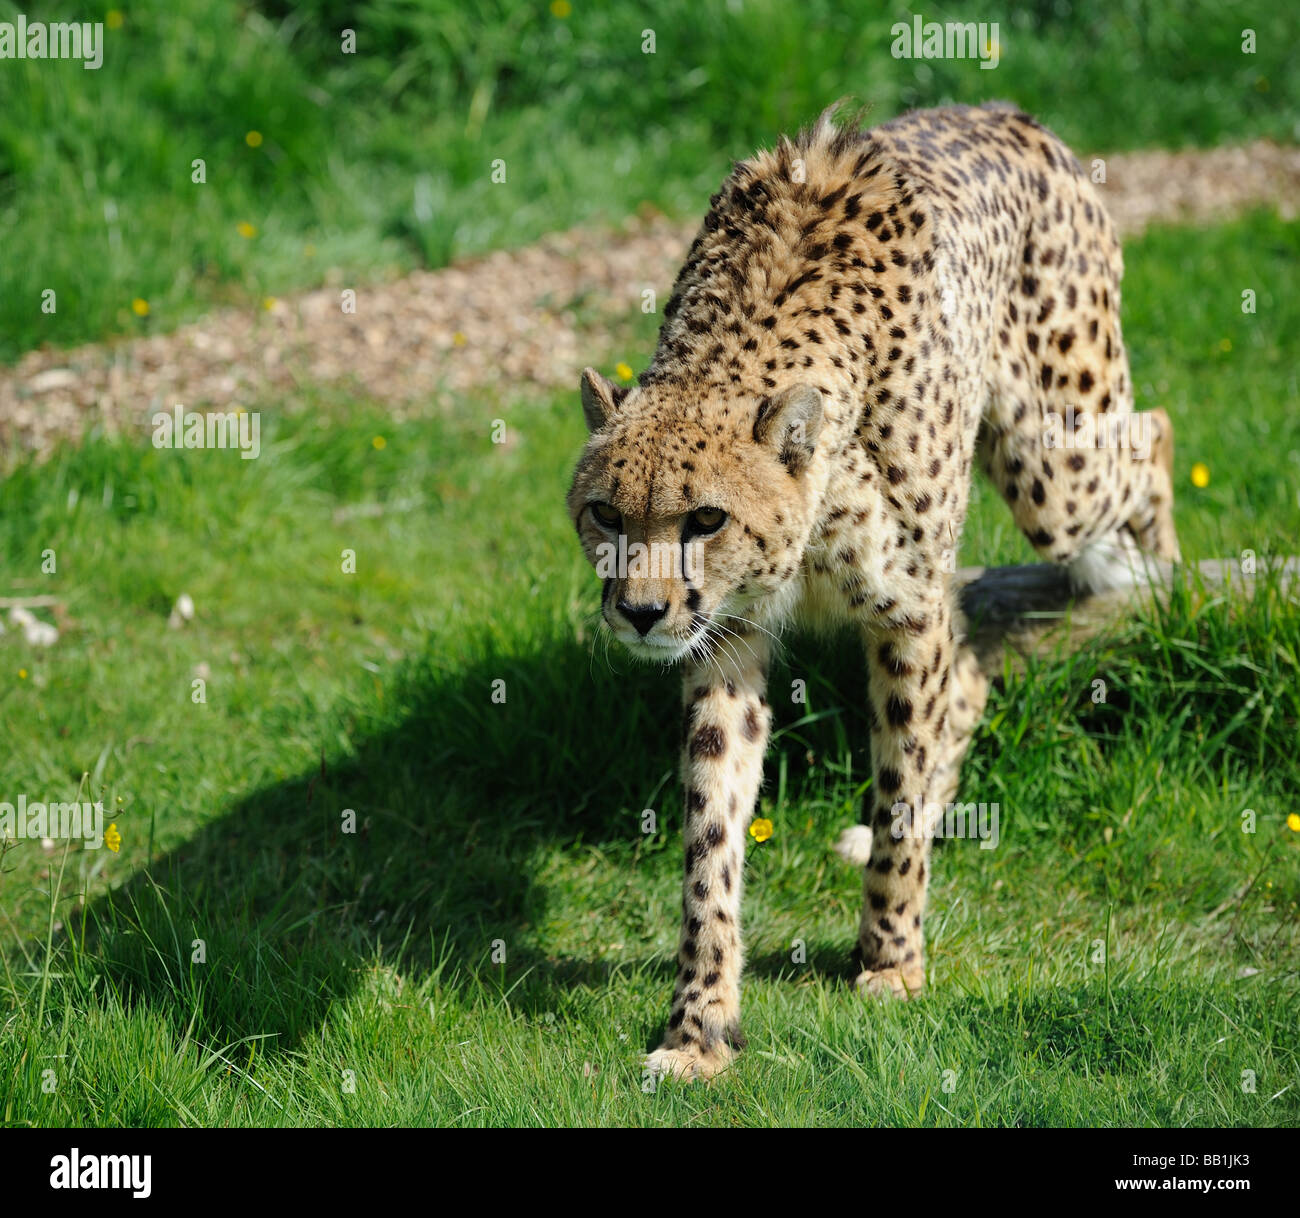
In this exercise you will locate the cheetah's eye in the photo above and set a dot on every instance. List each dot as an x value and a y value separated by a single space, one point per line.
608 516
707 520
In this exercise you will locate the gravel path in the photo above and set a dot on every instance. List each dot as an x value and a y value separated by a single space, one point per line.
517 320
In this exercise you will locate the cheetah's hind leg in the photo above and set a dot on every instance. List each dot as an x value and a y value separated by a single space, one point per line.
970 689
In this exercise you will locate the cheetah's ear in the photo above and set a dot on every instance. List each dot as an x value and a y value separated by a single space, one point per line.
600 398
789 422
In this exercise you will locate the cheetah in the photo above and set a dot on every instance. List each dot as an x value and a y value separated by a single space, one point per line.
862 315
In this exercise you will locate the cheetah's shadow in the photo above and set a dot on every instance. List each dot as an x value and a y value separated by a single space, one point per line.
451 806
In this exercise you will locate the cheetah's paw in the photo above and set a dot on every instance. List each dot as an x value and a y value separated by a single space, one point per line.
894 982
689 1062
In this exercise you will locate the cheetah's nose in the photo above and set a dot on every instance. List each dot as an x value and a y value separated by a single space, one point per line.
643 617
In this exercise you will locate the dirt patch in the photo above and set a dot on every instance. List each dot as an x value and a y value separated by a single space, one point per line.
518 319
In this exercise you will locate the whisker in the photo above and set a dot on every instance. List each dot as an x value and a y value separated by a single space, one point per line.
740 639
730 647
776 639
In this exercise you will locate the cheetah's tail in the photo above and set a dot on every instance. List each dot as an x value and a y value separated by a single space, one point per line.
843 122
854 845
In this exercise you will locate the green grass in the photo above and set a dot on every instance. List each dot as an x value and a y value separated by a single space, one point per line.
1124 956
378 161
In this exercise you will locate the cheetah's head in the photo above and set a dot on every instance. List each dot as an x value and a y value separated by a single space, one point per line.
692 511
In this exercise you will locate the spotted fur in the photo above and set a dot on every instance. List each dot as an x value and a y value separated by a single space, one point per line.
862 315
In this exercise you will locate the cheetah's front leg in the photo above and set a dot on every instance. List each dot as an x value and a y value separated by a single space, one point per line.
725 734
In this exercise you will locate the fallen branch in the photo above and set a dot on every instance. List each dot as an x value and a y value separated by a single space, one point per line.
1033 610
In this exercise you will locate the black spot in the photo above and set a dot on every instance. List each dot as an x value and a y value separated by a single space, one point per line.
898 710
708 742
